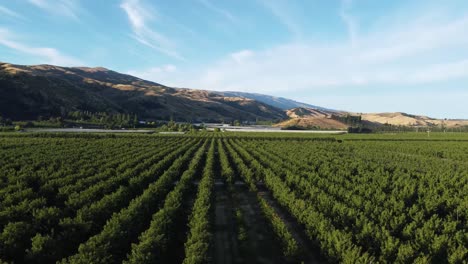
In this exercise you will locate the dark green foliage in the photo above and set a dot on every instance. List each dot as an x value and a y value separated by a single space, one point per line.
290 246
199 237
89 198
125 225
350 120
359 210
153 245
359 130
104 119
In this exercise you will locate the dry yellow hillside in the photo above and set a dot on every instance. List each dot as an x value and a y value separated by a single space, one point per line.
313 118
321 122
301 112
309 117
402 119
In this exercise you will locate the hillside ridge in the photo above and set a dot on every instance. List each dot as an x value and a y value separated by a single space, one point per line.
30 92
280 102
27 92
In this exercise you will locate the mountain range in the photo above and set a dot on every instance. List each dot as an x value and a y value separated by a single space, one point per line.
279 102
29 92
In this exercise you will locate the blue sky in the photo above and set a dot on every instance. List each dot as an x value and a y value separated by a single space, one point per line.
356 55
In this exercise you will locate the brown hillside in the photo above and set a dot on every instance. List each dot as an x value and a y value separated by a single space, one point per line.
27 92
311 118
403 119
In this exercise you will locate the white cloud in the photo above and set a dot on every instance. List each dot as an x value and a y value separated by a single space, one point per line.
436 104
225 13
415 39
8 12
139 15
242 55
43 54
441 72
170 68
425 53
416 53
156 74
350 21
66 8
281 12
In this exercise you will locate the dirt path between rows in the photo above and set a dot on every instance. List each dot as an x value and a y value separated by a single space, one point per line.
310 254
261 245
225 242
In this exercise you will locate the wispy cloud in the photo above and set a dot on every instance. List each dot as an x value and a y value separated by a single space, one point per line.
415 54
414 39
8 12
66 8
139 17
242 56
437 104
43 54
157 74
350 21
225 13
281 12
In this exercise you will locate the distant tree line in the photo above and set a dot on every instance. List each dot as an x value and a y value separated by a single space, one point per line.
350 120
108 120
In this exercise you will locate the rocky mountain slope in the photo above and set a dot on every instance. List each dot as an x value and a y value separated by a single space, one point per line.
27 92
